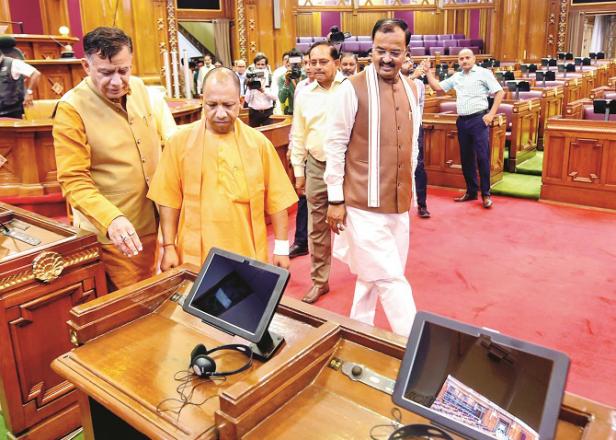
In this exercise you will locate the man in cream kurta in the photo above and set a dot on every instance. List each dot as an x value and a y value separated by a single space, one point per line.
107 146
216 181
307 135
370 151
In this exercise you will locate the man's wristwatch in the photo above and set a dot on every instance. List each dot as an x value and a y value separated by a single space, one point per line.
336 202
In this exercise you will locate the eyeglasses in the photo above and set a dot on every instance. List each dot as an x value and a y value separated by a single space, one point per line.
392 53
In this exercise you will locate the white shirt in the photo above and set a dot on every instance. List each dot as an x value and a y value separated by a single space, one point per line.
472 89
310 114
275 77
202 72
257 100
301 86
19 68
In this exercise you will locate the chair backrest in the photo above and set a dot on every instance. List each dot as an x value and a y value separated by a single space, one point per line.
531 94
551 84
610 95
350 46
477 42
305 39
416 43
40 109
435 49
364 38
450 43
443 37
507 109
464 42
364 46
589 113
459 36
448 106
455 50
429 37
418 51
303 47
417 37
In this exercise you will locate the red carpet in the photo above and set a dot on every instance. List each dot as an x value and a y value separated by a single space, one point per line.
534 271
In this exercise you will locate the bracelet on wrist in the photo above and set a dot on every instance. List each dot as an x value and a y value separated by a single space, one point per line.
168 244
336 202
281 247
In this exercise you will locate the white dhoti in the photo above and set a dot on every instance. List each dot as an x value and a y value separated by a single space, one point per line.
375 247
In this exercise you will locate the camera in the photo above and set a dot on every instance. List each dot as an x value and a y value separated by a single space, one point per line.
255 79
296 67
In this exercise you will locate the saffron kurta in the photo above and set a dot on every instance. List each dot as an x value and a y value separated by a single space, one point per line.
223 186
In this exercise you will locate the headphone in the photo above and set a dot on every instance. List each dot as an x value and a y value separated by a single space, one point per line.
419 431
203 365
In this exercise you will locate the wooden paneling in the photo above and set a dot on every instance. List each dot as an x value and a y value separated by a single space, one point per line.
431 22
54 13
37 403
58 77
143 21
362 22
226 11
260 35
305 26
579 164
5 13
521 30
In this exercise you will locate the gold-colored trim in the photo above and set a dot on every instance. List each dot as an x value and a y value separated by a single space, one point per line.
241 29
581 5
28 275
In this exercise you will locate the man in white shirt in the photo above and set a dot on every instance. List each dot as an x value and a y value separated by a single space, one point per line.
309 128
17 79
279 73
207 66
239 66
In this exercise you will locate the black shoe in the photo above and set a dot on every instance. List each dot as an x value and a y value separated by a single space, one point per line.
487 202
423 212
465 198
297 250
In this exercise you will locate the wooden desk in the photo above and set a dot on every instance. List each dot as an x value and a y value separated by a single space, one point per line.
58 76
442 149
135 340
30 169
42 47
36 403
551 105
579 163
185 111
523 138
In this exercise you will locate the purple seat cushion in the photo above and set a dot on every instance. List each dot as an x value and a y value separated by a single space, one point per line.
417 37
589 113
430 43
303 47
507 109
350 46
478 43
449 106
429 37
550 83
458 36
320 39
450 43
364 38
305 39
610 95
364 46
475 49
455 50
464 43
443 37
435 49
418 51
531 94
416 43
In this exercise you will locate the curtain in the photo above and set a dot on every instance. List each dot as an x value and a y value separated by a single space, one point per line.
222 41
596 41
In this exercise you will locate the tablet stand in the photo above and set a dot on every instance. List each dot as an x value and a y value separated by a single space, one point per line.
267 346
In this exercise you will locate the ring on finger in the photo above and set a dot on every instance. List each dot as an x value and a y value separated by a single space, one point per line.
339 225
131 233
123 237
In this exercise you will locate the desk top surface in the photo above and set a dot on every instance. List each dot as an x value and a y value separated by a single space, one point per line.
130 369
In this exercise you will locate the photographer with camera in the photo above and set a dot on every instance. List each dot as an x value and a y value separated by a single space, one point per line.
288 82
258 98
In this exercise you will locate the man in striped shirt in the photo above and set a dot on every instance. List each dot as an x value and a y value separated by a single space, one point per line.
473 86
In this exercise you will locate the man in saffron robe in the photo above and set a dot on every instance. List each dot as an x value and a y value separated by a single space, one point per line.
215 182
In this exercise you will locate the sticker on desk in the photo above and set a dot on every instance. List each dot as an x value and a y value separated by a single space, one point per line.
3 160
